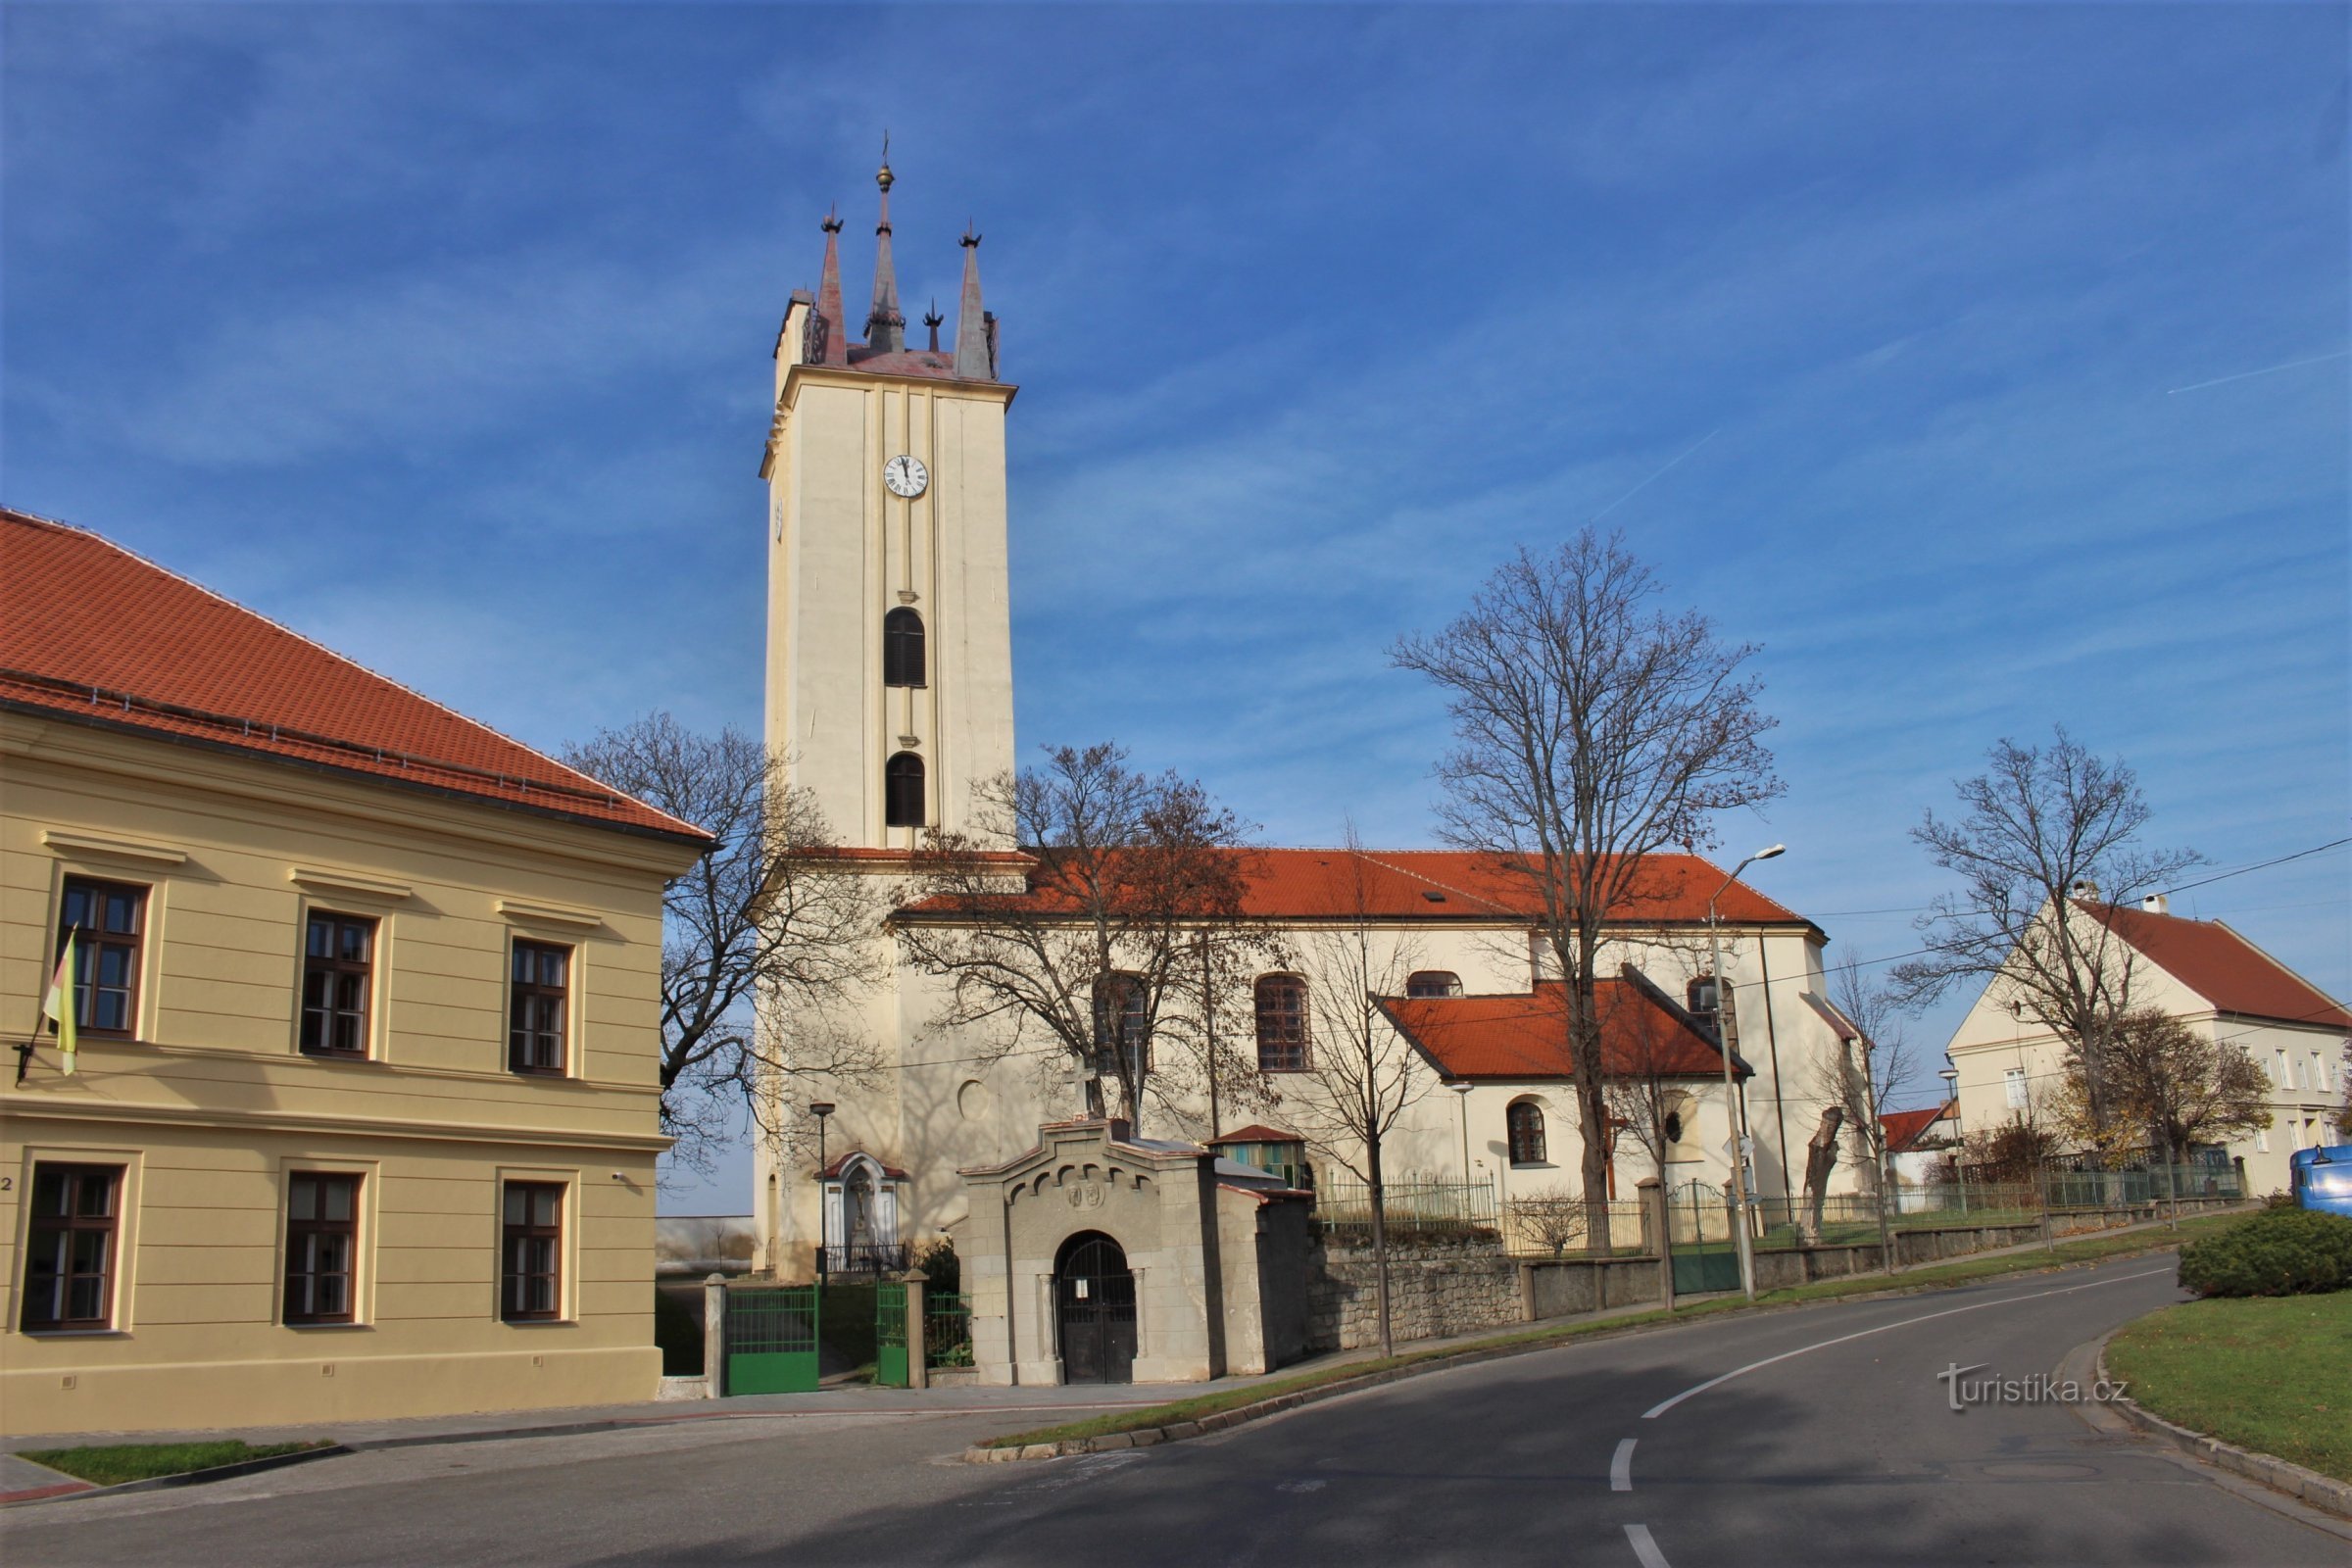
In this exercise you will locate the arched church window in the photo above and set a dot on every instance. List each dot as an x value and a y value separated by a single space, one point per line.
1282 1044
1700 999
902 791
1524 1123
1122 1023
1433 983
902 648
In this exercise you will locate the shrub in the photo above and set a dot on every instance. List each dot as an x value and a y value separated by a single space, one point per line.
2278 1251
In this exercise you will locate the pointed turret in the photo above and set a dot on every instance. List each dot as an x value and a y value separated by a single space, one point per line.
975 354
885 328
835 347
931 320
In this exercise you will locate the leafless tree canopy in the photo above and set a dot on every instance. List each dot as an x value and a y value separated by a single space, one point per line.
1592 730
2169 1085
1553 1218
766 919
2041 829
1098 941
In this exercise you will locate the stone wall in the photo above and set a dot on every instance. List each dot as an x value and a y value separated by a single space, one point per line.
1435 1288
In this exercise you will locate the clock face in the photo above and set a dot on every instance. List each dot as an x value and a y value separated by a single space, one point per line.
905 476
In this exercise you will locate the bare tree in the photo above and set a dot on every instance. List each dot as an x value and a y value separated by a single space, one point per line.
1874 1060
2169 1085
1649 1094
1361 1074
1591 731
1552 1218
769 919
2045 833
1093 942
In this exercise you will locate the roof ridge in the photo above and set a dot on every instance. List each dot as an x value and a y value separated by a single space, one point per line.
19 515
1421 876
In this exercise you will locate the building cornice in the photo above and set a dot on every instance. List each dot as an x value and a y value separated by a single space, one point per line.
35 1107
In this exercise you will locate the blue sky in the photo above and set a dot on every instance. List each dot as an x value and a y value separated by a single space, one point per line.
1917 343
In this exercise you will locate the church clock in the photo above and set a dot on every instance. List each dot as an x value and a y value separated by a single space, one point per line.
905 476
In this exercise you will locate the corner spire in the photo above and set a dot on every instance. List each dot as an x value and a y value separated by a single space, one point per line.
975 348
931 320
885 328
833 347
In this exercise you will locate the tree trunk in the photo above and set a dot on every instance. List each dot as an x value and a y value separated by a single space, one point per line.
1592 1110
1380 1245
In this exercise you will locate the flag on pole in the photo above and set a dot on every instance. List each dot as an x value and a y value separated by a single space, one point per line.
58 1006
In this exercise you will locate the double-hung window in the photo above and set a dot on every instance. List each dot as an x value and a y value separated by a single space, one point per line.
540 997
106 922
338 966
70 1247
323 1229
532 1252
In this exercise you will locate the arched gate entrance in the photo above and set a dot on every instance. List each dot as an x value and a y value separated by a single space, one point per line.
1094 1296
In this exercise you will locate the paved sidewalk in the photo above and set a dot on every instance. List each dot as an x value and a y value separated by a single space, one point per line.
850 1399
22 1481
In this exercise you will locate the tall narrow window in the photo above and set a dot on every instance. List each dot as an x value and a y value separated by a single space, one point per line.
323 1229
1281 1038
540 990
532 1252
1433 983
1700 999
337 963
902 791
106 921
902 648
1122 1023
2013 1084
70 1247
1524 1123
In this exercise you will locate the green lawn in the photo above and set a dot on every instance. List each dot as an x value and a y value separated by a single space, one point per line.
2271 1373
143 1461
2090 1250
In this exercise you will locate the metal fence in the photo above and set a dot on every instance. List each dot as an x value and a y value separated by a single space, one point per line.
1409 1206
1559 1225
947 1329
2155 1184
863 1257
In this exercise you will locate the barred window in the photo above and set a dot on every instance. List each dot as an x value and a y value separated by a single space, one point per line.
1282 1035
1524 1123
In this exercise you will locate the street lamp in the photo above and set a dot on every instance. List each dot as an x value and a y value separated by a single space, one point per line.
1461 1091
1723 1049
1951 1093
820 1110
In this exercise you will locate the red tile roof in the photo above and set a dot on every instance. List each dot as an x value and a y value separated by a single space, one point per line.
2221 966
91 632
1903 1128
1441 885
1255 1133
1527 1036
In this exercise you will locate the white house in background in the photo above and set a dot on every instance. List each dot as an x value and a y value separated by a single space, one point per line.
2210 977
1919 1146
890 690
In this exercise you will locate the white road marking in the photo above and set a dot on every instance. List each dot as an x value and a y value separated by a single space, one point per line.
1645 1549
1658 1410
1621 1468
1301 1486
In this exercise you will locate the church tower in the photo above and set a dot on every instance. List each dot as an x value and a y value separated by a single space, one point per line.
889 624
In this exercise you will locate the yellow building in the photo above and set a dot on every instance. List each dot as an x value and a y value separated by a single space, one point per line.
363 1116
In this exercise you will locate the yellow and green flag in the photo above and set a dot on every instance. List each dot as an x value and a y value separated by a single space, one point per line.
58 1006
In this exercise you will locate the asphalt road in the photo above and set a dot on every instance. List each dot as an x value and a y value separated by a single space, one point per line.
1820 1437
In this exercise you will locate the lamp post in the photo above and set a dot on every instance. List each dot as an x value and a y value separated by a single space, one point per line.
1723 1048
1461 1093
1951 1092
820 1110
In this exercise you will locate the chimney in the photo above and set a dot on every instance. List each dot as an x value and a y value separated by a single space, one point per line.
2157 903
2084 890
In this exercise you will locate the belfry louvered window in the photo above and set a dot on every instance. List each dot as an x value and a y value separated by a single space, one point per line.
902 649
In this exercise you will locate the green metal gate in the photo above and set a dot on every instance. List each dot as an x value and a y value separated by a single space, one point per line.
1706 1258
889 1336
771 1339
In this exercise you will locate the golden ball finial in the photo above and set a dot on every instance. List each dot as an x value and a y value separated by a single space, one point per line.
882 178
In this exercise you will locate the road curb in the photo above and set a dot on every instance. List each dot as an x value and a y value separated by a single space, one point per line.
188 1477
2323 1492
1259 1411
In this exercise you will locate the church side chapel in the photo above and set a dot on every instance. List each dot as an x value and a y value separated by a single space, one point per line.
1104 1235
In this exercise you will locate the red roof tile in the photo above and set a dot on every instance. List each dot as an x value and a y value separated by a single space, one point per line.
1439 885
1527 1036
92 632
1905 1127
2221 966
1255 1133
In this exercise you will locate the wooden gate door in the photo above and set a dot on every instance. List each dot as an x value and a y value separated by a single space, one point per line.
889 1336
771 1339
1094 1297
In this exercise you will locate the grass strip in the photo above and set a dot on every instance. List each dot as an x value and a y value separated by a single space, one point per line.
143 1461
2269 1373
2091 1249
